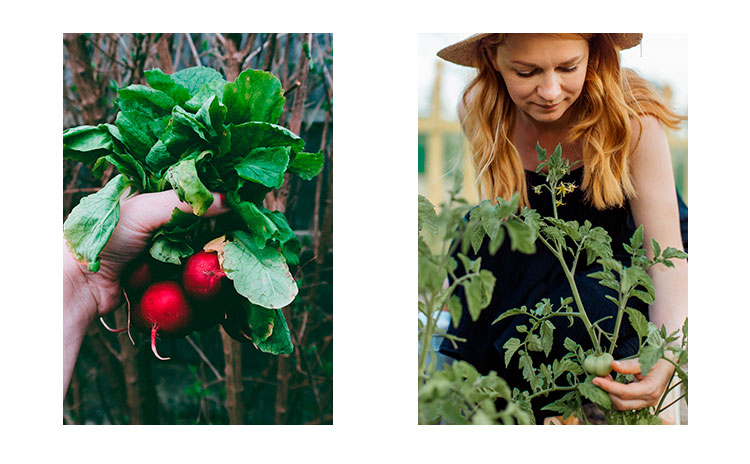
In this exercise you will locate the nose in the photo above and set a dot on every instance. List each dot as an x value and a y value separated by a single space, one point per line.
549 89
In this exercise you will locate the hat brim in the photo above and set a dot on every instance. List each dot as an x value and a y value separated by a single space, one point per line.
464 52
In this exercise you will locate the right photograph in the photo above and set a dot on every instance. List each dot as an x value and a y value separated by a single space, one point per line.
553 229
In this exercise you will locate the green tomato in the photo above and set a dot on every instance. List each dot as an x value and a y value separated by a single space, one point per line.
599 365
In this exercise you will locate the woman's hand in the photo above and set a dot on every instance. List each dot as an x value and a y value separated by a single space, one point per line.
88 295
641 393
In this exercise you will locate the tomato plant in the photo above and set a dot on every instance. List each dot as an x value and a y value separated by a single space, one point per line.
571 243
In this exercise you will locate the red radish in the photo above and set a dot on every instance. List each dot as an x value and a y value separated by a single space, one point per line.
202 276
163 309
138 275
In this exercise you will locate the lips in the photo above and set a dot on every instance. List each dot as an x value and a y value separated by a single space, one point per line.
549 107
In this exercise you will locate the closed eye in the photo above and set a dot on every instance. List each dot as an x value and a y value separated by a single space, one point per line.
531 73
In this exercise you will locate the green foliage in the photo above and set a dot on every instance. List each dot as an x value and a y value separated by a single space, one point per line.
566 240
195 133
489 223
458 394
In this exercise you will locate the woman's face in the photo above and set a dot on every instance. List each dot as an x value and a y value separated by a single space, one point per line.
544 75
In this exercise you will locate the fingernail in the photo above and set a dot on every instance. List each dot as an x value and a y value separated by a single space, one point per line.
223 199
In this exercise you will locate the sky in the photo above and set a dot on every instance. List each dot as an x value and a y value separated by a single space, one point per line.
661 58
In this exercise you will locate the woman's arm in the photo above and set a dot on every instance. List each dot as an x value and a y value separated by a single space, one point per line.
654 207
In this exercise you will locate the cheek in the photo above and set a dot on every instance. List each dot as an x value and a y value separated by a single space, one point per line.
574 85
519 91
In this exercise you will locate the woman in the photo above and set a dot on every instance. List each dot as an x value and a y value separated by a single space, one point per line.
570 89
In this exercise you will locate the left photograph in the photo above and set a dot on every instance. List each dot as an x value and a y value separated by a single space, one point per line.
197 228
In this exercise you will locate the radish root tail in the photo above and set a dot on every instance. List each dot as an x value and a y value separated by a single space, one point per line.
104 323
130 336
154 329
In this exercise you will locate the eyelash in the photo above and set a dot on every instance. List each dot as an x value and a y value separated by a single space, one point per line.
565 70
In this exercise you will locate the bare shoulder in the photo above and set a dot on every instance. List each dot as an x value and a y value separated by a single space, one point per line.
649 140
655 202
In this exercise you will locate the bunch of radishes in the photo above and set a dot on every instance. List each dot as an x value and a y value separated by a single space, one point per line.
172 301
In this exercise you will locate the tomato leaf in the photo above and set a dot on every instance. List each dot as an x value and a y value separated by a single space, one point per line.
594 393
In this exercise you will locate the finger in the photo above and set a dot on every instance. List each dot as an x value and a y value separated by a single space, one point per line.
627 366
628 405
147 212
625 391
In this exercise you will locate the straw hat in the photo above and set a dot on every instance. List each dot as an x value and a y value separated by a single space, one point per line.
464 52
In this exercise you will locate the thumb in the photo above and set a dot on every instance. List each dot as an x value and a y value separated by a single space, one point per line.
627 366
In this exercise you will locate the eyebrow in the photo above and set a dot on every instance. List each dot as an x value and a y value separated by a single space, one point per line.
564 63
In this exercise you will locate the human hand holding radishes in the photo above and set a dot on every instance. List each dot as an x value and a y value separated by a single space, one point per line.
643 392
88 295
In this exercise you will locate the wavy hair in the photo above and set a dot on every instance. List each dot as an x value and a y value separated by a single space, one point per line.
610 98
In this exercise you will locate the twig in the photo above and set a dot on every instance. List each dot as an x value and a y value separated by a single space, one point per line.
193 49
204 358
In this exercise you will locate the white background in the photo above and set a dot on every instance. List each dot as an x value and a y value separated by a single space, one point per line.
375 277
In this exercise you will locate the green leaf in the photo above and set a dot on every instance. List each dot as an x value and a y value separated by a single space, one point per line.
164 82
212 115
649 355
126 165
427 218
259 274
307 165
254 96
265 166
456 309
149 101
521 236
171 241
638 321
547 336
290 244
168 250
280 340
594 393
473 291
646 297
261 227
526 365
636 241
195 77
208 91
251 135
184 179
90 224
260 320
655 247
567 405
86 143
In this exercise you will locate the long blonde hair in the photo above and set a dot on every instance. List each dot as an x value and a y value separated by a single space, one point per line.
611 96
